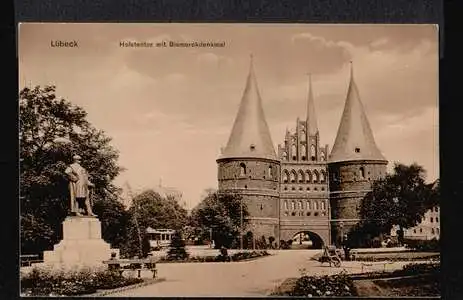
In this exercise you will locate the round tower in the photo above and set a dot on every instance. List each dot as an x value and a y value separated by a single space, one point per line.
354 164
249 166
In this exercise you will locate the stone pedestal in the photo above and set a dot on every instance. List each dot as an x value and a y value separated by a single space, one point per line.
81 245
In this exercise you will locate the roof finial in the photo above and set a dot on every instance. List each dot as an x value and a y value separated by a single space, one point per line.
311 118
351 69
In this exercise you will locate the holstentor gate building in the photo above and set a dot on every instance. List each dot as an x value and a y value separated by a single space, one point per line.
303 187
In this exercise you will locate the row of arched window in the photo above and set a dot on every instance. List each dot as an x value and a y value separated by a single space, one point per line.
293 188
244 171
303 177
309 205
433 230
303 153
302 213
361 175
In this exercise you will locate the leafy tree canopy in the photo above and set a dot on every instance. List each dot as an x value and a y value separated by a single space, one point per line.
51 131
149 209
401 198
220 212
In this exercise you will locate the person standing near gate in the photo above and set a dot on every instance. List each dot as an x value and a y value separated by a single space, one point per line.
79 185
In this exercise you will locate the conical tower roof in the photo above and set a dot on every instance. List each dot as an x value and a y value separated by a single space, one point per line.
312 127
354 140
250 136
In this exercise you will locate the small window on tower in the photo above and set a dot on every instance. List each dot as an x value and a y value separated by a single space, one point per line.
270 172
362 172
252 147
242 169
357 150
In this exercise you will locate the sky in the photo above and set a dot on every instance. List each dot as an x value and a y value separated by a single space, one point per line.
170 110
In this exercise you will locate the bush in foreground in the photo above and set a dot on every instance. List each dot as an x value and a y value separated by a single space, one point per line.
339 285
43 282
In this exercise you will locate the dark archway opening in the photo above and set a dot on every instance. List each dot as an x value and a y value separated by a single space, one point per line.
306 240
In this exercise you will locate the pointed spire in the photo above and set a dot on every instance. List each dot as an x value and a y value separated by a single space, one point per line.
250 136
354 140
312 127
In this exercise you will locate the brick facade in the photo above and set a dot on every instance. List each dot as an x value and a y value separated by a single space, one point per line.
350 181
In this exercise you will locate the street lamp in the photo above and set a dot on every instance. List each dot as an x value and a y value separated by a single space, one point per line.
210 237
341 226
241 223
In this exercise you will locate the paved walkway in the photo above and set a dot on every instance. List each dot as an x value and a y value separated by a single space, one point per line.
241 279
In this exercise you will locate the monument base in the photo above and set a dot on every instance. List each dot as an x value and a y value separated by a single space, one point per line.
82 244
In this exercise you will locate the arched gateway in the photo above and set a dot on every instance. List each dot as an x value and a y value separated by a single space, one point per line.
306 240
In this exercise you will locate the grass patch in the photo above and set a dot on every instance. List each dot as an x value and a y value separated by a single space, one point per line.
399 256
413 286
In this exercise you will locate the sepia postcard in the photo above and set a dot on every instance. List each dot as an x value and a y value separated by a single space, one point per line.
229 160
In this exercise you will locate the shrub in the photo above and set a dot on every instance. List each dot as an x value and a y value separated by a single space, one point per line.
223 256
43 282
177 248
339 285
423 245
270 241
248 255
416 269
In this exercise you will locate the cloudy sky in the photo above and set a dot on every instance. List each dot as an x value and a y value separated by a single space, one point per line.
170 110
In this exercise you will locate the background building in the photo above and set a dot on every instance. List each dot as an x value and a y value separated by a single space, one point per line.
428 229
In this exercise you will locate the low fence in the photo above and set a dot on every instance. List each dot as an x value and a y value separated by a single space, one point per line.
28 259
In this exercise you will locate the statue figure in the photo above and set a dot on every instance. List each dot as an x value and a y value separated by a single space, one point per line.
79 187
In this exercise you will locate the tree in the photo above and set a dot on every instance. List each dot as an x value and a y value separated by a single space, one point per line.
220 212
149 209
401 199
51 130
177 248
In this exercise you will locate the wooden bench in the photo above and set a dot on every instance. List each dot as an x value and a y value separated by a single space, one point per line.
121 265
28 259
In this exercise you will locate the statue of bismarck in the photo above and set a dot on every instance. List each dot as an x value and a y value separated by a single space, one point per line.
79 187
